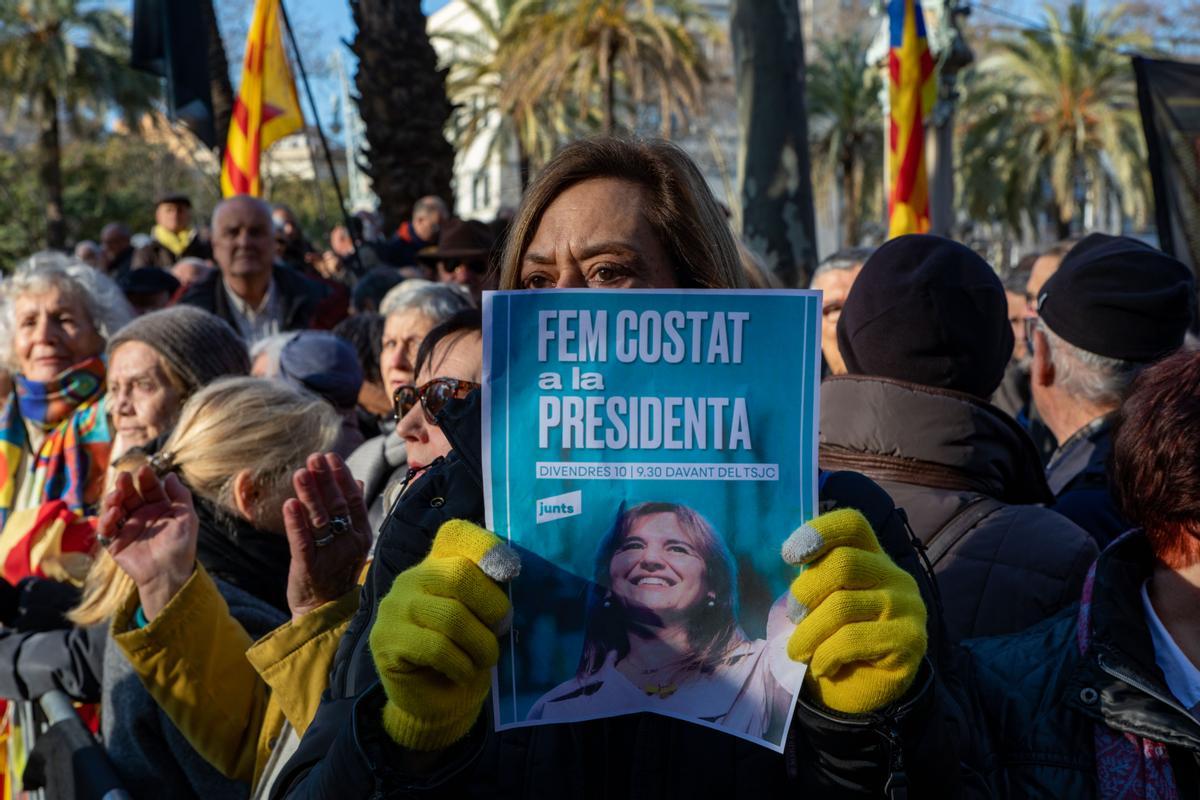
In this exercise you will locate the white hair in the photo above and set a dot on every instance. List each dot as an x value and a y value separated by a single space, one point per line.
845 259
1095 379
438 301
103 301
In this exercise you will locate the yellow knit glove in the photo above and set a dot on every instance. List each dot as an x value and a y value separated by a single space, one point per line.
860 620
434 639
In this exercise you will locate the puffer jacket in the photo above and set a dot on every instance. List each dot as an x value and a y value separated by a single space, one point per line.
345 752
963 470
231 696
1034 701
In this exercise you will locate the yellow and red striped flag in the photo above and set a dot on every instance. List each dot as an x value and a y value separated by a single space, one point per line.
911 94
267 108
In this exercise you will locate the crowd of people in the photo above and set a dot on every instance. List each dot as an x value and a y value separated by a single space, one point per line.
242 509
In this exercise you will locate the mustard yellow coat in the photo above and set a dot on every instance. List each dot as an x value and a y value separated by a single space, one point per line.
228 695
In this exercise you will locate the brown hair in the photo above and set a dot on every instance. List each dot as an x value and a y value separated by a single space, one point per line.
713 628
680 207
1155 471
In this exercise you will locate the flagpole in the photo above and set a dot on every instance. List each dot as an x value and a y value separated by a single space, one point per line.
287 24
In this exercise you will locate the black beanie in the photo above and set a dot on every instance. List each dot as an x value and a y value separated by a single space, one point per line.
1120 298
930 311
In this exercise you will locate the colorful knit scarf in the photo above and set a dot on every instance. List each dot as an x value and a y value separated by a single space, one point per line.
70 463
1128 767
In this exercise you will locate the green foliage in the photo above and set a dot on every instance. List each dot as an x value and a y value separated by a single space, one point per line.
1051 120
67 58
114 178
554 71
314 203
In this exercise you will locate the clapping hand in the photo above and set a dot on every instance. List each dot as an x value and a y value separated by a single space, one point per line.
150 529
328 533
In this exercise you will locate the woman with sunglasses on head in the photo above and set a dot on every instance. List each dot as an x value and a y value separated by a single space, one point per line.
406 711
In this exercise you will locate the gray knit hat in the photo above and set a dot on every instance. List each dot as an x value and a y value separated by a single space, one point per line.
197 346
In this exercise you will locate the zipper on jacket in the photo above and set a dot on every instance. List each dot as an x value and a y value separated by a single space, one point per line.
1142 687
896 786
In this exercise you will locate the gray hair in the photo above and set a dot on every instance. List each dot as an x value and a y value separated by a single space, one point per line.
438 301
1095 379
848 258
103 301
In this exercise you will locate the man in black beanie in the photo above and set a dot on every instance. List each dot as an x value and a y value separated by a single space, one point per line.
925 335
1114 306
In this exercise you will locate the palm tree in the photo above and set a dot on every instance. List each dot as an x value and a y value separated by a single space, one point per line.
1053 120
402 100
611 56
66 59
846 124
489 98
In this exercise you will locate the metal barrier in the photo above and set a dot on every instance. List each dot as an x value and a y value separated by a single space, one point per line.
64 759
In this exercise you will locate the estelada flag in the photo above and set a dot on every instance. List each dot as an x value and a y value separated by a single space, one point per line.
911 93
267 108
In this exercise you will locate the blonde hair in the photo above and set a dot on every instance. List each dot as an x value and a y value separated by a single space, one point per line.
680 208
264 426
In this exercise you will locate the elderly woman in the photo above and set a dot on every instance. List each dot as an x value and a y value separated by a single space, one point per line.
662 631
155 363
406 707
411 310
55 437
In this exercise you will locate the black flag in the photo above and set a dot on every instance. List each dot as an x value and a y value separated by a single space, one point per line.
170 40
1169 98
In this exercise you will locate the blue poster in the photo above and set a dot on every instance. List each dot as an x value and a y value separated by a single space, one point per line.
647 453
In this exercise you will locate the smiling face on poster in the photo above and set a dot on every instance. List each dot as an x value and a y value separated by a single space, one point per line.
648 452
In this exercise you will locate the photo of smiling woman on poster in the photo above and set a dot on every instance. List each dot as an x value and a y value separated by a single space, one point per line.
662 631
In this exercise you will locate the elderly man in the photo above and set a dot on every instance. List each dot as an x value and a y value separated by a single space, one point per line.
173 236
249 291
1114 306
116 249
429 214
925 337
834 277
463 256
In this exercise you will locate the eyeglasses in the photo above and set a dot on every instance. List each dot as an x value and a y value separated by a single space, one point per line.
433 396
1030 327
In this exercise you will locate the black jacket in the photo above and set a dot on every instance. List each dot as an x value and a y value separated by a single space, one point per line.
155 254
969 479
345 753
1078 476
298 295
1035 700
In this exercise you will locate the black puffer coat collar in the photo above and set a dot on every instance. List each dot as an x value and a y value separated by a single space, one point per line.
893 430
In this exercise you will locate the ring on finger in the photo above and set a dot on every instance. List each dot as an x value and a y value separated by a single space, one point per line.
324 540
339 524
103 540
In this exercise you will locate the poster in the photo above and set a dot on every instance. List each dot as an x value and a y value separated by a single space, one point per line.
647 453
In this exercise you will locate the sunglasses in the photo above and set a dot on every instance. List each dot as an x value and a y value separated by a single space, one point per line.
433 396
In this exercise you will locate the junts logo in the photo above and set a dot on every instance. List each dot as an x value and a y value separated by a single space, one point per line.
560 506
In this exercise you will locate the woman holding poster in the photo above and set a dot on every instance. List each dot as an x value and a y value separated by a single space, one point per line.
407 710
663 634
